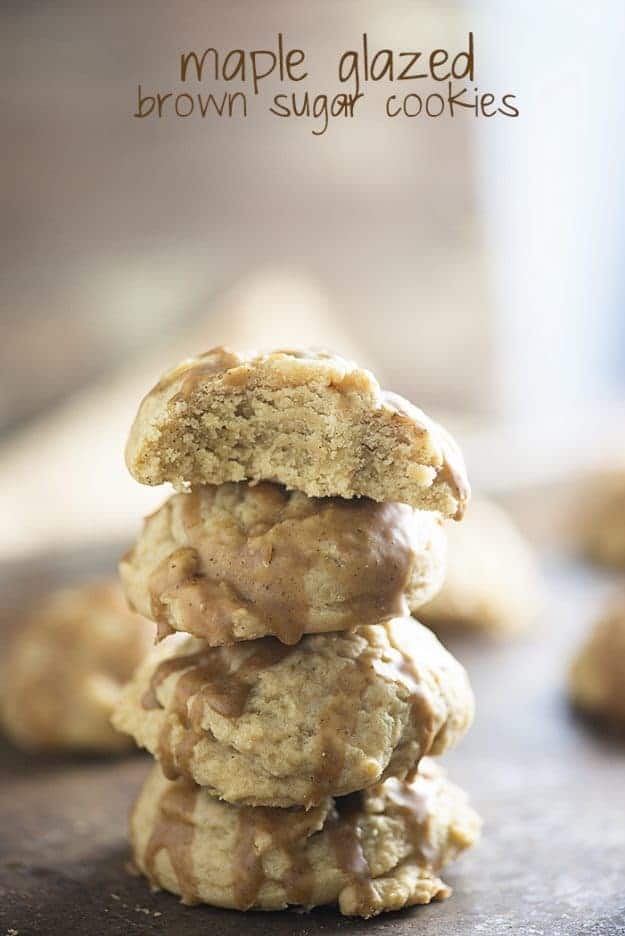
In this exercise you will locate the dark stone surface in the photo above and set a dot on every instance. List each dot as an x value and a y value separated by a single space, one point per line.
550 787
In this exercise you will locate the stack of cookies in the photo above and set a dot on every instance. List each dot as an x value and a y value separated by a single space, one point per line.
292 698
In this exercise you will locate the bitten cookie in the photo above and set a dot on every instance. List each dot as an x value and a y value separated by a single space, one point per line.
597 674
309 420
239 561
67 666
267 724
492 582
369 852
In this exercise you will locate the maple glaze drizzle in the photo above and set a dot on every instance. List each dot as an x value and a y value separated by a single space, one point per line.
210 679
256 826
209 584
265 838
209 364
207 679
173 833
337 724
175 569
412 799
345 837
422 713
260 832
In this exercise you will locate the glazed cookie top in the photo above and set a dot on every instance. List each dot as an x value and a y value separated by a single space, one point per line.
377 850
307 419
239 561
67 666
263 723
597 676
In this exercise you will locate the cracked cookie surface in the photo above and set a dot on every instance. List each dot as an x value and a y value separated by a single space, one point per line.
263 723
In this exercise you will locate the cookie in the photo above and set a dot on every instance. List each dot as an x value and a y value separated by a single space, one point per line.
309 420
240 561
603 535
597 674
369 852
492 583
267 724
67 666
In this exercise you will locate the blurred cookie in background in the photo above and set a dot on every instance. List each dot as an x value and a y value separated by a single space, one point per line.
66 667
492 584
603 533
597 673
